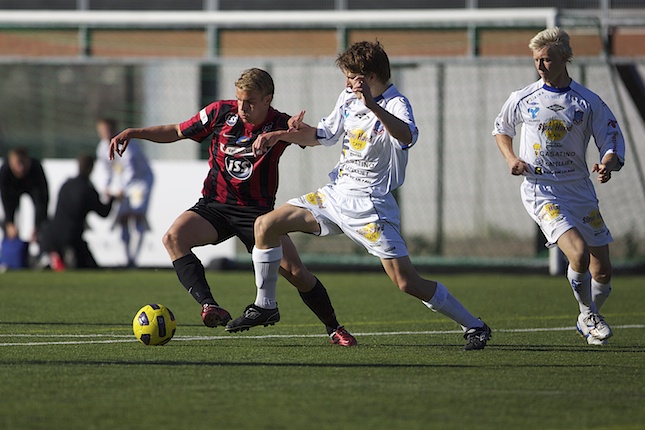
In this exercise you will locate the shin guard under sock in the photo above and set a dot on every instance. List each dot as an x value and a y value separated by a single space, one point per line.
192 276
319 302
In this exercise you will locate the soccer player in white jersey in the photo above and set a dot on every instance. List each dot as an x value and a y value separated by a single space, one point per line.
558 118
376 126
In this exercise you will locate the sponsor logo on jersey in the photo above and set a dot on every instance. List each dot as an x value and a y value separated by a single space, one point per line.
372 232
357 139
267 127
554 129
533 111
239 168
243 141
551 163
231 119
241 148
239 151
536 148
346 108
555 108
203 116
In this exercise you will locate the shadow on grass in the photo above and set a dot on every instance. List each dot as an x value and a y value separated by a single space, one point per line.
586 349
282 365
69 323
80 323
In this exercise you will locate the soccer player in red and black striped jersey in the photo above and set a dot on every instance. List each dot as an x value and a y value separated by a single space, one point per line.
239 187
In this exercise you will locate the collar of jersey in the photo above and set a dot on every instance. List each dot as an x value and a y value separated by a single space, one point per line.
382 96
556 90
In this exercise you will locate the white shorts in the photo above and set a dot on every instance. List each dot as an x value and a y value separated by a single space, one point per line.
373 222
559 207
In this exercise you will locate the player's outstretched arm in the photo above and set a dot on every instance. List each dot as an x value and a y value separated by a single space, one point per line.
159 134
295 122
305 135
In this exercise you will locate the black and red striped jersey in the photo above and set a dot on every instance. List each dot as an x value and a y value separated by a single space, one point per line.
236 176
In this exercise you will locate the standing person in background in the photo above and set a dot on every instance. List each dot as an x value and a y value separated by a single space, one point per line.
558 118
62 238
238 188
130 178
23 174
376 128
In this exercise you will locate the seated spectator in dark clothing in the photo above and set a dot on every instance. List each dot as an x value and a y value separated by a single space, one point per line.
63 236
22 174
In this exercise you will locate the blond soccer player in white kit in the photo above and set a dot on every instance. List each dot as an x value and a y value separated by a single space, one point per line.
376 126
558 116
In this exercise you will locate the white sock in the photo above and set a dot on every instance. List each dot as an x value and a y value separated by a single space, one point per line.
600 292
581 286
445 303
266 263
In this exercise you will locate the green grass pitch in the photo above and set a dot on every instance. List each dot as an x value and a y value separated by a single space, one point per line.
68 359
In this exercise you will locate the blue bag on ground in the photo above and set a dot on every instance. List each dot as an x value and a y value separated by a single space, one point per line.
14 253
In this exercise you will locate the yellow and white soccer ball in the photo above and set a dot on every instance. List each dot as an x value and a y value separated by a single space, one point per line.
154 324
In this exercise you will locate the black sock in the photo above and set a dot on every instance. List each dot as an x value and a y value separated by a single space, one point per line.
190 272
318 301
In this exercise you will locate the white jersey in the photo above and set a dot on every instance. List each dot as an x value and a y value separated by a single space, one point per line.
372 161
129 174
557 124
123 172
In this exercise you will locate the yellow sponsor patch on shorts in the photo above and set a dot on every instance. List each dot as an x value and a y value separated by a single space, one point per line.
371 232
549 212
594 219
315 199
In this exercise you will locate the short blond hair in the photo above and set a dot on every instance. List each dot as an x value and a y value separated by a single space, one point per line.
256 80
555 38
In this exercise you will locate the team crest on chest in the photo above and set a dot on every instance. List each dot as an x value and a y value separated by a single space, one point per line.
231 119
578 116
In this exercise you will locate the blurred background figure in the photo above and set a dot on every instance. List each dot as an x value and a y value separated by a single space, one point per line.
21 174
130 179
62 238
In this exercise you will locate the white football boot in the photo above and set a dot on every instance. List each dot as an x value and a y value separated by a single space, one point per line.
593 328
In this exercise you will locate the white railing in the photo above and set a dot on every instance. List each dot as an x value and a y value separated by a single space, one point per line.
282 19
340 20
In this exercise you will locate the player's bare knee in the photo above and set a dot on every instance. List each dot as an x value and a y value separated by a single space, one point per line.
604 276
260 227
170 241
406 286
579 260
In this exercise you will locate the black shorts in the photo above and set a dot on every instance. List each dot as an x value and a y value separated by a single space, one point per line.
230 220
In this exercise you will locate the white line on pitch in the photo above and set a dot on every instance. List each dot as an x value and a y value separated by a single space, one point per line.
129 338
